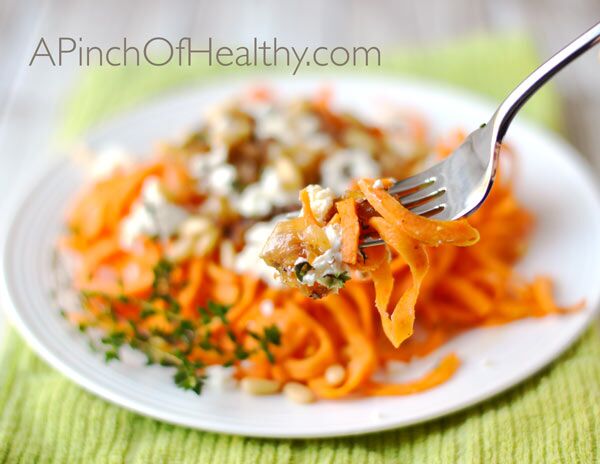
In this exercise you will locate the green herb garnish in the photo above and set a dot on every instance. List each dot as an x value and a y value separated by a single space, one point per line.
270 336
301 269
172 347
113 341
335 281
189 375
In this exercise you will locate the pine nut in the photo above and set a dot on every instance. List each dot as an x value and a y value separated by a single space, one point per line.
360 140
195 226
298 393
288 174
206 242
255 386
180 249
227 254
335 374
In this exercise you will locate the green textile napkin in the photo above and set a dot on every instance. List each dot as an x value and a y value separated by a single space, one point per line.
553 417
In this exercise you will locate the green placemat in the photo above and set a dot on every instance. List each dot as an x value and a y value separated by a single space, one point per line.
554 417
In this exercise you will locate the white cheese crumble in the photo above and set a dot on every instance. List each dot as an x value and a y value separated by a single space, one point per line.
212 172
248 260
321 201
329 263
260 198
343 166
378 184
273 125
253 202
220 378
288 129
108 160
151 215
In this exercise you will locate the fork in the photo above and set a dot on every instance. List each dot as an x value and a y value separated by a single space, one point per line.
459 184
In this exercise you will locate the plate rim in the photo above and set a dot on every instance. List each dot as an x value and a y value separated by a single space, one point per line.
34 181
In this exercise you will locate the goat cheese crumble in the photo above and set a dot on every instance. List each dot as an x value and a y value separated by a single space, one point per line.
321 201
248 260
327 269
260 198
212 172
338 170
152 215
109 160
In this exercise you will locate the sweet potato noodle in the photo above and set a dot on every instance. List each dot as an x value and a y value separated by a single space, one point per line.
195 310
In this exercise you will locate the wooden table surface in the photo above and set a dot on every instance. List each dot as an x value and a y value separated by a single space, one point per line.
31 102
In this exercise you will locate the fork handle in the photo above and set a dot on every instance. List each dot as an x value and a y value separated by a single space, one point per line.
519 96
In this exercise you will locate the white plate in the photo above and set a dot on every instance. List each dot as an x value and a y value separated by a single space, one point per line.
553 182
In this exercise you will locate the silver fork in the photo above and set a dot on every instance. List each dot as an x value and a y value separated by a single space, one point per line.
459 184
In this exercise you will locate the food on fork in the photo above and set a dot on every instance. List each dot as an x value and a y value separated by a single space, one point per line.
319 250
163 254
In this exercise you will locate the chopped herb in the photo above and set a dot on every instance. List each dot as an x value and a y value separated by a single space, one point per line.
114 339
134 329
187 335
162 279
123 298
189 375
110 355
241 353
301 269
185 325
231 335
147 312
207 344
271 336
218 310
204 315
113 342
335 281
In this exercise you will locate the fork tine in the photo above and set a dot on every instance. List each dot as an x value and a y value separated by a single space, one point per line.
429 209
412 184
428 201
370 242
423 196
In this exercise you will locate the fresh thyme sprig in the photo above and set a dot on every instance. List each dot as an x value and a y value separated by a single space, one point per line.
174 348
270 336
187 376
113 341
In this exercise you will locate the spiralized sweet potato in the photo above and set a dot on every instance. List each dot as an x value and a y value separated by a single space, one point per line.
402 300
